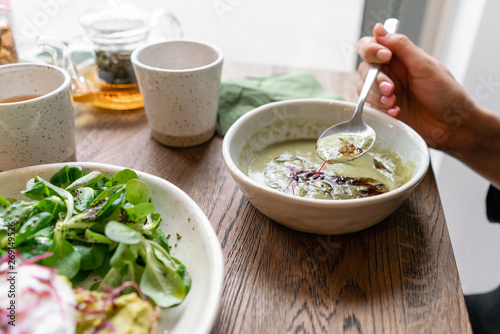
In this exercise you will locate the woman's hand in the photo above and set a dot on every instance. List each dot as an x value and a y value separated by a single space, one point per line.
415 88
420 91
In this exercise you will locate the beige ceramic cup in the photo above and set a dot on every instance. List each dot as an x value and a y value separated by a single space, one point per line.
37 123
180 84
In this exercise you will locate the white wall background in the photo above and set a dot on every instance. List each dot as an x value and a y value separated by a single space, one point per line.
323 35
318 34
472 54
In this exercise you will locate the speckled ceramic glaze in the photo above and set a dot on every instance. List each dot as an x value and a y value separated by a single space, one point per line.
40 130
180 83
307 119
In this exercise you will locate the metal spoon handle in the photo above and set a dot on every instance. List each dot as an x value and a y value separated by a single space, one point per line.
391 26
370 79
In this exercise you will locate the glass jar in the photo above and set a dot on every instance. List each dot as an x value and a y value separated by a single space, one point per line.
8 52
99 61
113 31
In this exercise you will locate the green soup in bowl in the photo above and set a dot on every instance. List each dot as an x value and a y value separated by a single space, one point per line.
398 149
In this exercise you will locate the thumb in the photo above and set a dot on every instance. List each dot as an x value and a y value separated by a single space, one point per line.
400 45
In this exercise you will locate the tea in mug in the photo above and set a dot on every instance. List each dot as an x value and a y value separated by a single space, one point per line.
19 98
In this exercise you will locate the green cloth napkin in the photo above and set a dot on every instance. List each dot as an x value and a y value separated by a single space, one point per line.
239 96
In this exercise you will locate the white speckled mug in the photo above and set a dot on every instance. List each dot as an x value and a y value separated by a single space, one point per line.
180 83
37 124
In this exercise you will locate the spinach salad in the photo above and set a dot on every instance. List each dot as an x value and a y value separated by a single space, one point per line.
95 224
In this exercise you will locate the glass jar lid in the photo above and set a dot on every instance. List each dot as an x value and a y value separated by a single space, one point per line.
116 22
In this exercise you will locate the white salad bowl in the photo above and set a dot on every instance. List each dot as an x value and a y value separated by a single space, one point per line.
198 248
307 119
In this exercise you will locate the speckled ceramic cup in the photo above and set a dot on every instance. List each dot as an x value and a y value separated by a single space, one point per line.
180 83
37 123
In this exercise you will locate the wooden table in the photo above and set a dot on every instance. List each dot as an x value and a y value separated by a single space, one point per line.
399 276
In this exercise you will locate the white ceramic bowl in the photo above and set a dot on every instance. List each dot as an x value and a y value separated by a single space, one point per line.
307 119
199 249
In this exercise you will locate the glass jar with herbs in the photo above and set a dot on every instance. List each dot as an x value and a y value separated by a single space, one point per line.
8 52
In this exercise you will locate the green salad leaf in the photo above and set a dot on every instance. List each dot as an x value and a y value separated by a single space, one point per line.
122 233
95 223
34 224
65 176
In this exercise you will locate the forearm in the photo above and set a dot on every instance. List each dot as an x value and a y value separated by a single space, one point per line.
477 144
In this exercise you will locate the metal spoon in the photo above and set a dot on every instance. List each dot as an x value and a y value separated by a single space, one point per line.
349 140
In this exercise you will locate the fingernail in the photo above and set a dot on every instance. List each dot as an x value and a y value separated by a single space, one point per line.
386 101
381 30
386 88
394 112
384 55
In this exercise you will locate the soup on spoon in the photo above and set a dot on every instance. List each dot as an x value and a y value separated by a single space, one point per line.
342 147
